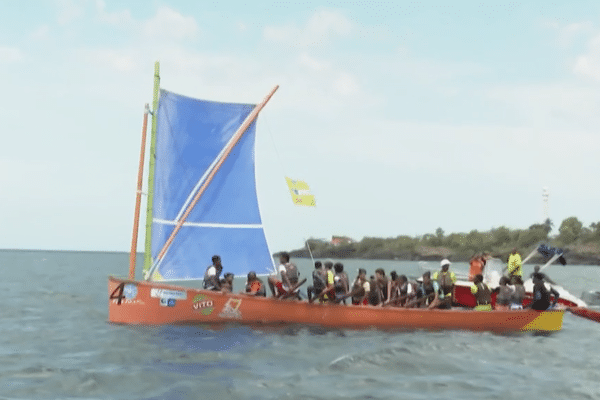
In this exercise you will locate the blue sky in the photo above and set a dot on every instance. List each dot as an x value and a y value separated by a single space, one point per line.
402 117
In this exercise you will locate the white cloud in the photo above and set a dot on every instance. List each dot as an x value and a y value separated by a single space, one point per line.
325 24
346 84
41 33
321 27
312 63
113 18
117 60
546 105
588 64
10 54
69 11
568 33
170 24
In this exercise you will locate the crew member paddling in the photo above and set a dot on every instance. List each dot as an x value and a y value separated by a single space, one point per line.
289 277
482 294
541 295
360 289
319 281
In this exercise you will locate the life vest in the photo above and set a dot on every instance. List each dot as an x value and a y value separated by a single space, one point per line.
445 281
358 289
514 265
257 287
425 291
482 293
475 268
319 280
339 284
211 281
292 273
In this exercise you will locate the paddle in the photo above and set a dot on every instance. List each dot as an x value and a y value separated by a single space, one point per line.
585 313
292 291
419 301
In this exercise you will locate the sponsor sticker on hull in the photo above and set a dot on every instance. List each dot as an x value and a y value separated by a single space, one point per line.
203 304
168 294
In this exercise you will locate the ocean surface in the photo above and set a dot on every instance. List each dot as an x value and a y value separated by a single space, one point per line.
56 343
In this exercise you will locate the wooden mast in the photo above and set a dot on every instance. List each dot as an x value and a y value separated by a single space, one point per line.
138 197
151 167
236 137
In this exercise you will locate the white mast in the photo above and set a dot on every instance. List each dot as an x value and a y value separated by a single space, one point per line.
545 196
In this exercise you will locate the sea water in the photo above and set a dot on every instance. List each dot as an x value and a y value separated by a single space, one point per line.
56 343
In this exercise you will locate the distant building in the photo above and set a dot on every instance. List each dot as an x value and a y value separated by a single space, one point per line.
337 240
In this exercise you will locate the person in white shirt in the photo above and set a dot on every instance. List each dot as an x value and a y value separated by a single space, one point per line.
212 274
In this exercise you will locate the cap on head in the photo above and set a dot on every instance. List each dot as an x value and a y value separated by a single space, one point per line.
444 262
216 258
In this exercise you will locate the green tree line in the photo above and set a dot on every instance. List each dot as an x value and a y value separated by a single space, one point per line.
580 243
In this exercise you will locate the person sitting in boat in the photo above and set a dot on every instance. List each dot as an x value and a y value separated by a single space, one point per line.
425 292
328 293
340 282
382 284
289 277
515 265
541 295
476 266
212 274
504 294
546 278
374 296
254 285
360 289
227 283
392 288
443 282
518 294
482 294
319 281
403 293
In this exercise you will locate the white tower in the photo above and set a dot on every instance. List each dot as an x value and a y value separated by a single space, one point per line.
545 196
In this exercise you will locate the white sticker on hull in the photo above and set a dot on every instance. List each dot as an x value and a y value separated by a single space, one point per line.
168 294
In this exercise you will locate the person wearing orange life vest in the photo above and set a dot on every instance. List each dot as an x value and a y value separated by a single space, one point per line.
254 285
476 266
443 282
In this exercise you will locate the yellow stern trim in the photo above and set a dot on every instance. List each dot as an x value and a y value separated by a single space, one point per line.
546 321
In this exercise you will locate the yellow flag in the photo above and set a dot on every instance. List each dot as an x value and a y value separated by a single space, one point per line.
301 193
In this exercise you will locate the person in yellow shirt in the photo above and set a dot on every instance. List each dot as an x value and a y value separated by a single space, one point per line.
515 265
443 282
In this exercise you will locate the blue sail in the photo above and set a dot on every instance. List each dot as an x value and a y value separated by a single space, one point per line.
191 135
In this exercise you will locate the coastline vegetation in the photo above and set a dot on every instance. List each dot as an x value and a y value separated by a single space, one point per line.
581 244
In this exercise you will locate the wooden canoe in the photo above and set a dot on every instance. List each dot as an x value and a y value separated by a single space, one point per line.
151 303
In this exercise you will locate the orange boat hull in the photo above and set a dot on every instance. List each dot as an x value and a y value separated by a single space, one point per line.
151 303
